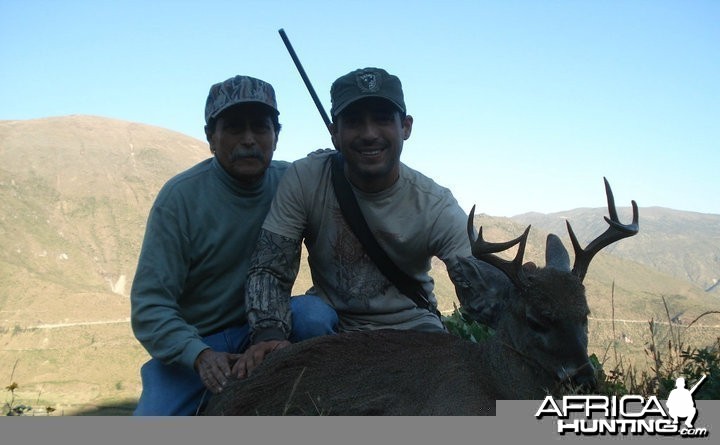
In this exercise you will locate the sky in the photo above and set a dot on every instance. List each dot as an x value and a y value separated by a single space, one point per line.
518 106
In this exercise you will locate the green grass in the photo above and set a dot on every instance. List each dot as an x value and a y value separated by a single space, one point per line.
458 323
618 370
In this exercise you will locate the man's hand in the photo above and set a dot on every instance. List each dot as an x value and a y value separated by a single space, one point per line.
254 355
214 368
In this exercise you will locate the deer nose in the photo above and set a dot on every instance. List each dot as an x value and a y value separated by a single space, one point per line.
585 379
580 376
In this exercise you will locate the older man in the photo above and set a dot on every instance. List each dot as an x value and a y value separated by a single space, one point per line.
188 295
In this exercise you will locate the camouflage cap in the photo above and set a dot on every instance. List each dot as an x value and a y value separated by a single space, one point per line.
362 83
236 90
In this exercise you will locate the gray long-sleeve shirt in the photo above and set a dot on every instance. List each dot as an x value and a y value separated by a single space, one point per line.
190 279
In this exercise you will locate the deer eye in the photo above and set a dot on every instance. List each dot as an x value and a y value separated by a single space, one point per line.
539 325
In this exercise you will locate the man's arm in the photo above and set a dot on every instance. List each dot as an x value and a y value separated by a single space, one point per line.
273 269
161 273
481 289
156 315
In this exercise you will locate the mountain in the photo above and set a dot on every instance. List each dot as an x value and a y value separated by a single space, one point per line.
638 288
76 192
685 245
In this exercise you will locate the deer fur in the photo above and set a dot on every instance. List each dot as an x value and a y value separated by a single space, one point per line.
388 372
540 345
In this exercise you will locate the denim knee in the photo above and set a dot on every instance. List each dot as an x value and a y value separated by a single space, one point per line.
173 390
169 390
311 317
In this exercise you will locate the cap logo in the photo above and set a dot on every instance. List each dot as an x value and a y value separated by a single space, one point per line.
368 82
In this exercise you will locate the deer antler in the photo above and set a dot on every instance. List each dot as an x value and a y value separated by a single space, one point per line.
483 251
615 232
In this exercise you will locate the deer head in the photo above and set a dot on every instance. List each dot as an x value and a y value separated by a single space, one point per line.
543 315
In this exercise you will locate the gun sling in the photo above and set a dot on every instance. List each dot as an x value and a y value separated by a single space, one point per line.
355 219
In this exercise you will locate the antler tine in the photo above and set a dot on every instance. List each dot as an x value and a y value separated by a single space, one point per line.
615 232
483 251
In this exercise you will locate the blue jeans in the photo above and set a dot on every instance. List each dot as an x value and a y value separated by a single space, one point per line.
174 390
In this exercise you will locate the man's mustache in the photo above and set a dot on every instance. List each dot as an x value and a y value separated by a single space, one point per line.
243 153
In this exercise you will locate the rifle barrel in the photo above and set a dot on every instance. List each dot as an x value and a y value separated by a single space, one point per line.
697 384
305 78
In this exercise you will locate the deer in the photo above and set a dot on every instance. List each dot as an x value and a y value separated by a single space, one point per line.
539 347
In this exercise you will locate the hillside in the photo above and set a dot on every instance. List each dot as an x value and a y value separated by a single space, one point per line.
685 245
76 191
638 288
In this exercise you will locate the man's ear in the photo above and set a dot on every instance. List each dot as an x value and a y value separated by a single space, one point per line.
208 136
407 127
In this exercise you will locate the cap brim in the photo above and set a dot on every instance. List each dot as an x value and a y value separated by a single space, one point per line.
243 102
339 109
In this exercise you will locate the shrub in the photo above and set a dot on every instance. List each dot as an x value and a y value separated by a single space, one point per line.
667 363
458 323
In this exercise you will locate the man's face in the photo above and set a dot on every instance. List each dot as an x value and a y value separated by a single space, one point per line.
370 135
244 141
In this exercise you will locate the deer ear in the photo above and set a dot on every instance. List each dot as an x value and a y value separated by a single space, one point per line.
556 256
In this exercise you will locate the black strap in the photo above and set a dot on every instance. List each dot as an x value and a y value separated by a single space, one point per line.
355 219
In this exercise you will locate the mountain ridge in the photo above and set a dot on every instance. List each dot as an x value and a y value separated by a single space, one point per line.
664 234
